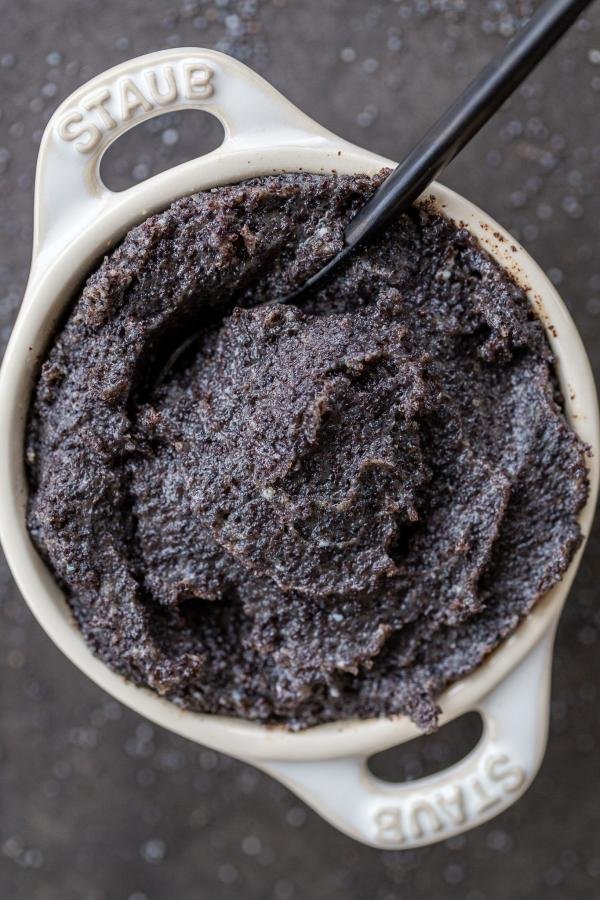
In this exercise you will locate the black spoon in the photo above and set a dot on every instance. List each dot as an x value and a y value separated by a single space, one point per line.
455 128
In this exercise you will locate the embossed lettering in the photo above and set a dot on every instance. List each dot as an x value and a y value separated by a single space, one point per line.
131 99
421 810
511 778
170 94
116 106
454 805
96 101
197 81
389 825
71 127
486 800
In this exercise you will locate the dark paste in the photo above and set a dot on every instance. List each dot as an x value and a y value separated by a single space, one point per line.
304 515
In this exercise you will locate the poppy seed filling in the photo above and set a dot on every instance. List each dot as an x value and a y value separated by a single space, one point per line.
300 515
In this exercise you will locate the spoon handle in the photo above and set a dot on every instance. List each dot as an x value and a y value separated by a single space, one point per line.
463 119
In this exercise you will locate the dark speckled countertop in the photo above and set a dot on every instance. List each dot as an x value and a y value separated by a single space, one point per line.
96 803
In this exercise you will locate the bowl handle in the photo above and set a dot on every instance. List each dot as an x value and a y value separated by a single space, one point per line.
487 781
69 191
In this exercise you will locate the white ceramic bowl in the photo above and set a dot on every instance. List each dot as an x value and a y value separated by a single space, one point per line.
77 219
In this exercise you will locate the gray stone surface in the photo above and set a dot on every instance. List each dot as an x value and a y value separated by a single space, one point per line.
96 803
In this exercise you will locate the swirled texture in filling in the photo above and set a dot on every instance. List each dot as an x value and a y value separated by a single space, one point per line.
300 515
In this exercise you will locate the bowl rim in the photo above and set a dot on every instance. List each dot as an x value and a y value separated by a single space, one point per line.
58 271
